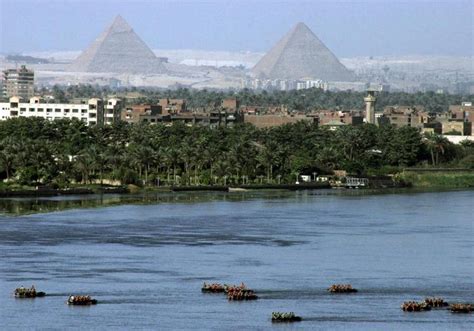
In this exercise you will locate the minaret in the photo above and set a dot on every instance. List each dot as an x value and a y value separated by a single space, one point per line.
370 107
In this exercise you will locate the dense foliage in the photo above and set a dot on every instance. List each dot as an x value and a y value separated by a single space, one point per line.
35 150
301 100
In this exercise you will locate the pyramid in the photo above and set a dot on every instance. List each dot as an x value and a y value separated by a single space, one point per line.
300 54
120 50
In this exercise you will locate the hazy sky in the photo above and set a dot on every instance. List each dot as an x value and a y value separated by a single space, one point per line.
349 28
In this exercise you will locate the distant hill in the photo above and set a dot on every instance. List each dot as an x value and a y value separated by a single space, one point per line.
26 59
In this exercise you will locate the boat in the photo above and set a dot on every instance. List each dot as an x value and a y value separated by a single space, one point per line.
81 300
413 306
22 292
278 317
436 302
241 295
342 288
462 308
231 288
237 189
212 288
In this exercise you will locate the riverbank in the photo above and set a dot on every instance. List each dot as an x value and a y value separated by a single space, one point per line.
47 192
438 178
445 179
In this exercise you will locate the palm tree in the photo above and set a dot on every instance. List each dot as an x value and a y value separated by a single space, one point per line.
171 158
436 145
84 164
7 160
268 156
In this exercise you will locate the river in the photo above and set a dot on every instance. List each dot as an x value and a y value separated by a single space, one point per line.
145 259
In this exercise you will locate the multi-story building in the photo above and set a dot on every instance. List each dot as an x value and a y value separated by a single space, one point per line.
399 116
112 111
154 114
142 113
351 117
18 82
172 106
91 112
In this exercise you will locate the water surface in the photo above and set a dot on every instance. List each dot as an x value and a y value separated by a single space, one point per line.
145 260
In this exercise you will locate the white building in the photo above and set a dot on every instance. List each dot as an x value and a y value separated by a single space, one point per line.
93 112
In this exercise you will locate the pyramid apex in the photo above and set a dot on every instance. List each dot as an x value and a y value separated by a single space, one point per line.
301 26
120 25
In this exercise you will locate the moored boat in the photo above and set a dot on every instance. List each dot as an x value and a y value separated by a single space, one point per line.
436 302
342 288
81 300
462 308
412 306
22 292
241 295
213 288
285 317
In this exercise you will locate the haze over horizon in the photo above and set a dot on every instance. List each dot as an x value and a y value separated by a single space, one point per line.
348 28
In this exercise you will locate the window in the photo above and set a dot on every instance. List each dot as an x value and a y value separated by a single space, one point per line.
75 110
49 110
57 110
40 110
22 109
66 110
83 111
32 109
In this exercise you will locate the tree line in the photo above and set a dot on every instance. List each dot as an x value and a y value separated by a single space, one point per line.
298 100
34 150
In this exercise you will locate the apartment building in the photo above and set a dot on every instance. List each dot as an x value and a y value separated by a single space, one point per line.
92 112
400 116
18 82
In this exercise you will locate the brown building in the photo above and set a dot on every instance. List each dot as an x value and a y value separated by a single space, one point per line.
230 104
154 114
266 121
352 117
400 116
457 127
138 113
172 106
465 112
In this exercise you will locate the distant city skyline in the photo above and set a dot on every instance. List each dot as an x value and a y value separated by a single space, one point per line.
348 28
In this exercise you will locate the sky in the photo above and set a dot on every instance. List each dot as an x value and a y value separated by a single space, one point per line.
348 28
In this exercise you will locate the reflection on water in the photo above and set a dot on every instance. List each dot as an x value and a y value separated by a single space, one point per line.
19 206
29 205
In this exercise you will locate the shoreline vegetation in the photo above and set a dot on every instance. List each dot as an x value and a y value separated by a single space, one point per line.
40 157
416 179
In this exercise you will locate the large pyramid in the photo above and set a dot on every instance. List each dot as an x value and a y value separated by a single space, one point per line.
300 54
120 50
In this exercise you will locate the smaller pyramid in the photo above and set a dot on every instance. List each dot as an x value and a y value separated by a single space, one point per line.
120 50
301 55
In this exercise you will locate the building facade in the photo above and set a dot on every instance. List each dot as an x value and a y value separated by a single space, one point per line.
92 112
18 82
